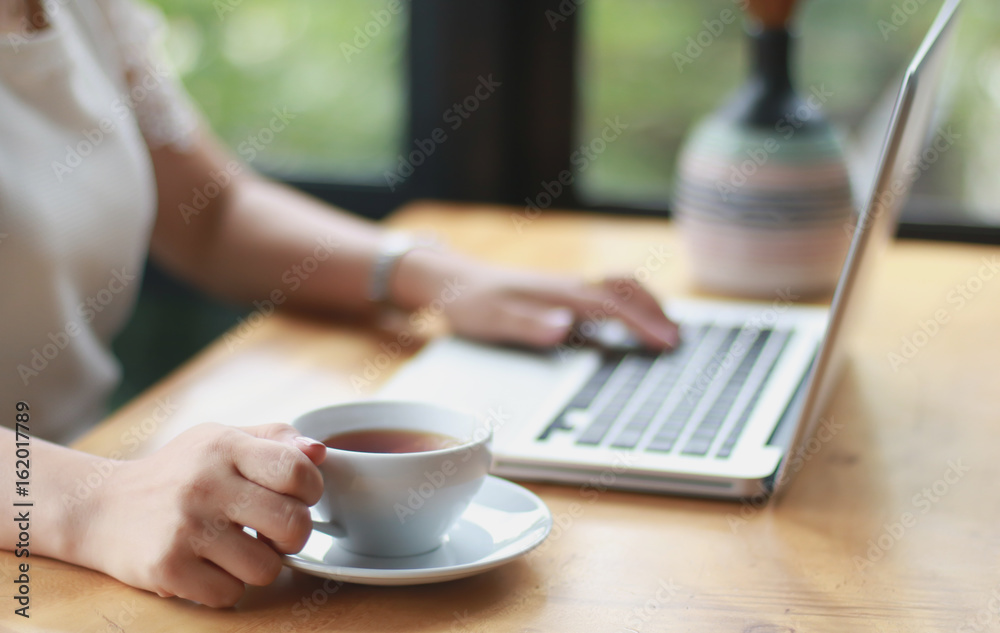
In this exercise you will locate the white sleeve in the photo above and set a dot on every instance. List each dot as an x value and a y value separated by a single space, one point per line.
163 110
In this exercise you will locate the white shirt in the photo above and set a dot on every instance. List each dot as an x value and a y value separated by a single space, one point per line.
80 103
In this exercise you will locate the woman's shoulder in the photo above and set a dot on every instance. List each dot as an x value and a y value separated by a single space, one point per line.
131 34
130 26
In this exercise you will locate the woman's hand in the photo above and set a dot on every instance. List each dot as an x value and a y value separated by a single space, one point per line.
509 306
172 522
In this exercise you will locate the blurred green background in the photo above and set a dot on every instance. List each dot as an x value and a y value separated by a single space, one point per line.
240 62
852 47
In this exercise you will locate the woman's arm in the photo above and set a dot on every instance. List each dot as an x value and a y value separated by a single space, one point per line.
53 517
242 237
239 236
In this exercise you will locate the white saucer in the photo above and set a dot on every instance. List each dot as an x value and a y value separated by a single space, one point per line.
503 521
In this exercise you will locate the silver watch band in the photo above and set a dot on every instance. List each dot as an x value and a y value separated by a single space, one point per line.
392 249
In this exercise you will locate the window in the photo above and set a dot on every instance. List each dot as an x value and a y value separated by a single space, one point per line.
367 85
855 48
337 67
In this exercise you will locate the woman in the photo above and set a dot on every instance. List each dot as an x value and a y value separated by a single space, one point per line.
100 156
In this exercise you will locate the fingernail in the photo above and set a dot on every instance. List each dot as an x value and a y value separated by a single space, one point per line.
559 318
308 441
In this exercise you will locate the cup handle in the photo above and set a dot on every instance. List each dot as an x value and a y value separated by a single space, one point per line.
323 521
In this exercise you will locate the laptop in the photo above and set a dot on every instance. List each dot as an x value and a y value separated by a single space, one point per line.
730 412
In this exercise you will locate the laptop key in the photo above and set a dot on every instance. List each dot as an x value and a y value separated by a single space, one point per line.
674 362
628 438
559 424
596 382
703 436
697 446
671 428
737 430
585 396
633 431
661 444
637 366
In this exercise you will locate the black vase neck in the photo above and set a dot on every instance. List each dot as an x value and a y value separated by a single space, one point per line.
770 51
768 98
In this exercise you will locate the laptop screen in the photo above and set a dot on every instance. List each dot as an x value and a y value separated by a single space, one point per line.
909 149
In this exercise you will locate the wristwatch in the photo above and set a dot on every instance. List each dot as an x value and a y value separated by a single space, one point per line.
394 246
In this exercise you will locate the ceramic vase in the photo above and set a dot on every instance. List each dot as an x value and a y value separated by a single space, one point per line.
763 197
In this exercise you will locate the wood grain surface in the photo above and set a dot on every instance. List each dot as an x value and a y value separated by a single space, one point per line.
892 524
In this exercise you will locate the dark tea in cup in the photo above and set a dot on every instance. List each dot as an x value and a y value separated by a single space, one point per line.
390 441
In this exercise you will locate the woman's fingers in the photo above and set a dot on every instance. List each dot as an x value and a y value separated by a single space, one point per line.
532 323
641 310
617 298
277 465
288 434
245 558
538 309
203 581
283 519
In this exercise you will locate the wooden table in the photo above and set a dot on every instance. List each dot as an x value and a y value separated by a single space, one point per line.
878 532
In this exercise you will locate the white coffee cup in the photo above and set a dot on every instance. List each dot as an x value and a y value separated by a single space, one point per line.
396 504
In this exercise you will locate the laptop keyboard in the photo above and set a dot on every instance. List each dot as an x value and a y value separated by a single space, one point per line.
679 401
